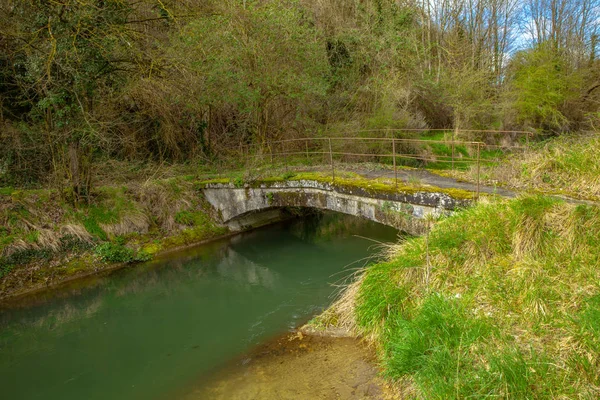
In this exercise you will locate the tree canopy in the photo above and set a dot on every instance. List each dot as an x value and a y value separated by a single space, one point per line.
89 80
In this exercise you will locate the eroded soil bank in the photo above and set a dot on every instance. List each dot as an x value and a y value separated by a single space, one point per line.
299 366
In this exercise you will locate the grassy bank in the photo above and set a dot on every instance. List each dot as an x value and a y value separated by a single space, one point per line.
566 165
45 240
500 300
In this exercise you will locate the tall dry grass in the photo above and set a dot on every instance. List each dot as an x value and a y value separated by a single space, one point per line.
567 165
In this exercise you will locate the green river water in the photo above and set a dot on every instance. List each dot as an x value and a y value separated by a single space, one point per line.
156 330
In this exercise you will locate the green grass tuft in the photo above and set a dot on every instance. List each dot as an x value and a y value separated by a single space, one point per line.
589 318
378 297
433 344
185 218
6 191
97 215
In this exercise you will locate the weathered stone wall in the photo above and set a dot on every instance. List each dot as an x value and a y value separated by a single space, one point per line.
240 208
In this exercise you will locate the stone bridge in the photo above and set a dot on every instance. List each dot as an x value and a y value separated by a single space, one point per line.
261 203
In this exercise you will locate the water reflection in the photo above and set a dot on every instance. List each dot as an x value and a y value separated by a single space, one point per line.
245 272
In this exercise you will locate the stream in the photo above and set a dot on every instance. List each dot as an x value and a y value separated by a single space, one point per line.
162 329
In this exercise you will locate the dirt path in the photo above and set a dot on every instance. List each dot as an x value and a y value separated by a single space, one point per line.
425 177
413 177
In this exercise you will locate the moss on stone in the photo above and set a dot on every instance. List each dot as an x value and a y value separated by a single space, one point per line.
202 184
152 248
190 236
79 265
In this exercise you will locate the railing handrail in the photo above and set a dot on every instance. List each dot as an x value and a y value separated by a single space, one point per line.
330 137
373 139
325 148
440 130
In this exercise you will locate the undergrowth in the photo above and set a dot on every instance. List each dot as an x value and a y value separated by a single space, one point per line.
27 255
500 300
43 238
118 253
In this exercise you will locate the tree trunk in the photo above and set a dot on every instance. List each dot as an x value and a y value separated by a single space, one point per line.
73 157
79 172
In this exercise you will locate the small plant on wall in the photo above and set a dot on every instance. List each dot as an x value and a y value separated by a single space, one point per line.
270 197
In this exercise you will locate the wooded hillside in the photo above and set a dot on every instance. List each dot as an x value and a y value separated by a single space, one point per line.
82 82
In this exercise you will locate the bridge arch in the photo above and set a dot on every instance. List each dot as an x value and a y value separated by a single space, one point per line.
243 207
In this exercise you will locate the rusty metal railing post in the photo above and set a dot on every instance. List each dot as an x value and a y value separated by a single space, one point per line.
478 167
394 157
307 156
453 146
285 157
331 160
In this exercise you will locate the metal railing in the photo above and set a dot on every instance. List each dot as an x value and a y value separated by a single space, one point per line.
396 151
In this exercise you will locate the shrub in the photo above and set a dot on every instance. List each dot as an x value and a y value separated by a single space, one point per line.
21 257
115 253
238 182
119 253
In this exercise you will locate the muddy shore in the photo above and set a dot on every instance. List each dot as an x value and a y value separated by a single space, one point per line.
299 366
